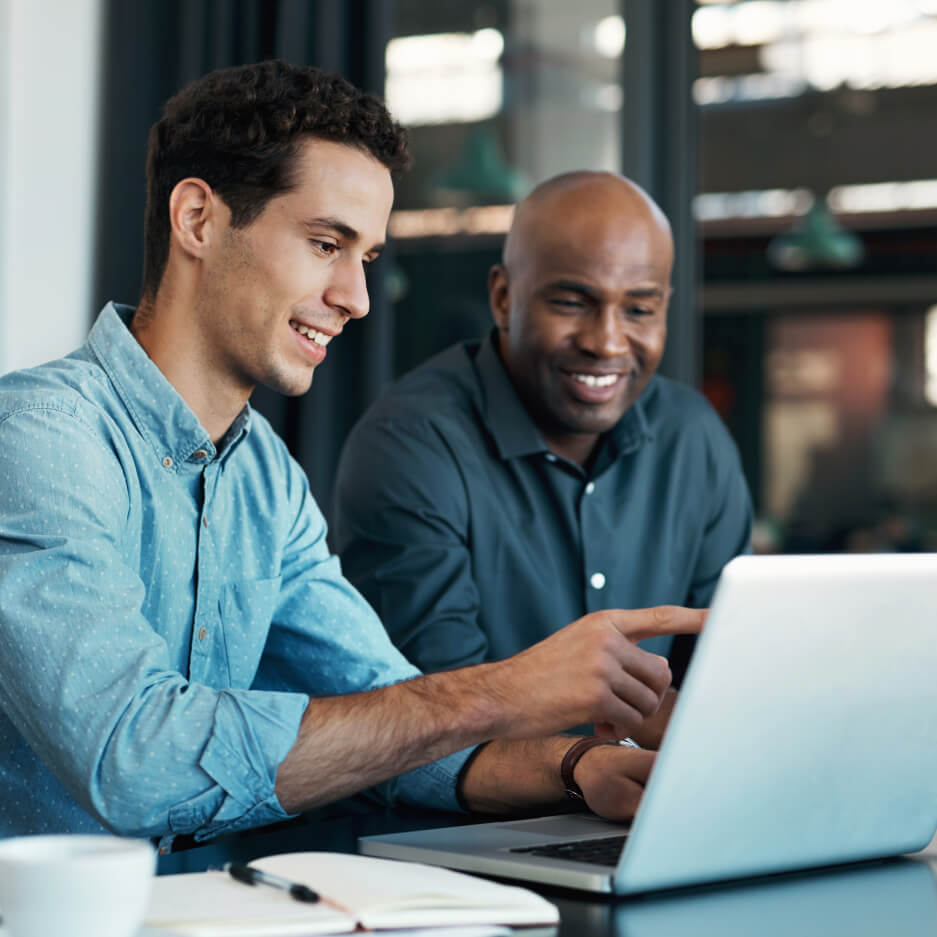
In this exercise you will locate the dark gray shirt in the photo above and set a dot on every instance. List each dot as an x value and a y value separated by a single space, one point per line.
473 540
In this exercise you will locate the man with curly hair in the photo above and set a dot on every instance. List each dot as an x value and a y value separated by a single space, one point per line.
181 654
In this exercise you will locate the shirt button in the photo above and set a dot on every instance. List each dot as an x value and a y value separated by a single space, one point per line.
202 632
200 454
205 520
167 462
550 457
590 488
597 580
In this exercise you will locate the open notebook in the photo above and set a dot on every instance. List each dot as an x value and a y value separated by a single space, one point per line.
356 890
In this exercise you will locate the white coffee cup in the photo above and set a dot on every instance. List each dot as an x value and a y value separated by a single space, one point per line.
82 886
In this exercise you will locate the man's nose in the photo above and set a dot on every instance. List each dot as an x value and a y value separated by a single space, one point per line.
348 290
605 335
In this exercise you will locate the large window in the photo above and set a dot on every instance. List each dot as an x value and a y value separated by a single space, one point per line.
497 97
817 213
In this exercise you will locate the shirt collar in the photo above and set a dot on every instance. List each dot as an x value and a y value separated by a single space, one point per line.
512 428
163 418
505 415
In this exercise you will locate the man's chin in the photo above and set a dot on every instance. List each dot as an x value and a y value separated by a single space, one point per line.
290 387
580 425
594 418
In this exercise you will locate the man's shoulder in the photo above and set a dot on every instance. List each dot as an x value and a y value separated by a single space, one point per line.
681 420
674 407
73 385
61 411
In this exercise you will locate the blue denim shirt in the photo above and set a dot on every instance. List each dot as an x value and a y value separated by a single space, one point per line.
167 607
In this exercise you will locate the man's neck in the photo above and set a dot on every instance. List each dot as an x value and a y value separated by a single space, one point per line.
186 364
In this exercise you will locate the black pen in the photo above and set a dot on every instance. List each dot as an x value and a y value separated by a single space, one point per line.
251 876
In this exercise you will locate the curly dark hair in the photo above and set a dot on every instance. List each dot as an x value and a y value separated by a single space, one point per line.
240 129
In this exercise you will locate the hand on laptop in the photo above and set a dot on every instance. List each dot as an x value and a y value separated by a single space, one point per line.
651 732
593 671
612 779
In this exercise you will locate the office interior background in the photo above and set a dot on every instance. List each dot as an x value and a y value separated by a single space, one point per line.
793 144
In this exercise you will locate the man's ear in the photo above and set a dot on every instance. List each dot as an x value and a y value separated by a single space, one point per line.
193 215
499 295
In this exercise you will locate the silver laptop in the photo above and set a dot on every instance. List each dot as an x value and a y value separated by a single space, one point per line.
805 735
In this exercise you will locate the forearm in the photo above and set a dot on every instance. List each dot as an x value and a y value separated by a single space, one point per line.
589 671
506 776
348 743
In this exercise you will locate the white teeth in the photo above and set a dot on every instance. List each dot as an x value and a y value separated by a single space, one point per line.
320 338
590 380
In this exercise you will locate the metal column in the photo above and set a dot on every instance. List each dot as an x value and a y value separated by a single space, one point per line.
659 151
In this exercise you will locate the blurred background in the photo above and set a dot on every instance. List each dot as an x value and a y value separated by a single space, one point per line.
793 144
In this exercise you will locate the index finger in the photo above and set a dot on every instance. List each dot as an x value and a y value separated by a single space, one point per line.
636 624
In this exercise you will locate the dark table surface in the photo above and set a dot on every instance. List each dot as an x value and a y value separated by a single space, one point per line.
896 897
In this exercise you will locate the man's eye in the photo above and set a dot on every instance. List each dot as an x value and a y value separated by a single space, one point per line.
325 247
567 304
640 311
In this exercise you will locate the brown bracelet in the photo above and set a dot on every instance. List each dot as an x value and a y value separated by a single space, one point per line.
571 759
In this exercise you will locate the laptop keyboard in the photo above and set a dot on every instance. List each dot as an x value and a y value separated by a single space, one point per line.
601 851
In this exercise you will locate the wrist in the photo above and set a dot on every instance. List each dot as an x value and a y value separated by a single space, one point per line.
571 759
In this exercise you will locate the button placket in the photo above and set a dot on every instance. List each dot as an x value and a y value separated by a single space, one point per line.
205 649
593 559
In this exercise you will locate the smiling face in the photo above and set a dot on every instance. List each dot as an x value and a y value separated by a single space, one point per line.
581 304
273 294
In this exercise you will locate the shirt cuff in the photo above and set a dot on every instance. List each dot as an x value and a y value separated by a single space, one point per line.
462 772
253 732
436 784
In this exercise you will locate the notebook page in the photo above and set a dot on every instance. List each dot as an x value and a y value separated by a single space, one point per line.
212 904
390 893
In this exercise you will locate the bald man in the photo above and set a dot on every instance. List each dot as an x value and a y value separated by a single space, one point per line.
509 486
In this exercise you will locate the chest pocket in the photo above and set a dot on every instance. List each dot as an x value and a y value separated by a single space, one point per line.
247 608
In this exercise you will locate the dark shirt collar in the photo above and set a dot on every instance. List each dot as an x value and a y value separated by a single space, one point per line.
163 418
515 433
505 415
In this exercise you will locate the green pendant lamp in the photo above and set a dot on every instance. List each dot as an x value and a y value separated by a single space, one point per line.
816 242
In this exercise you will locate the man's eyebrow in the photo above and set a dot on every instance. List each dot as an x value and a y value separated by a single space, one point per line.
646 292
574 286
342 228
336 224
